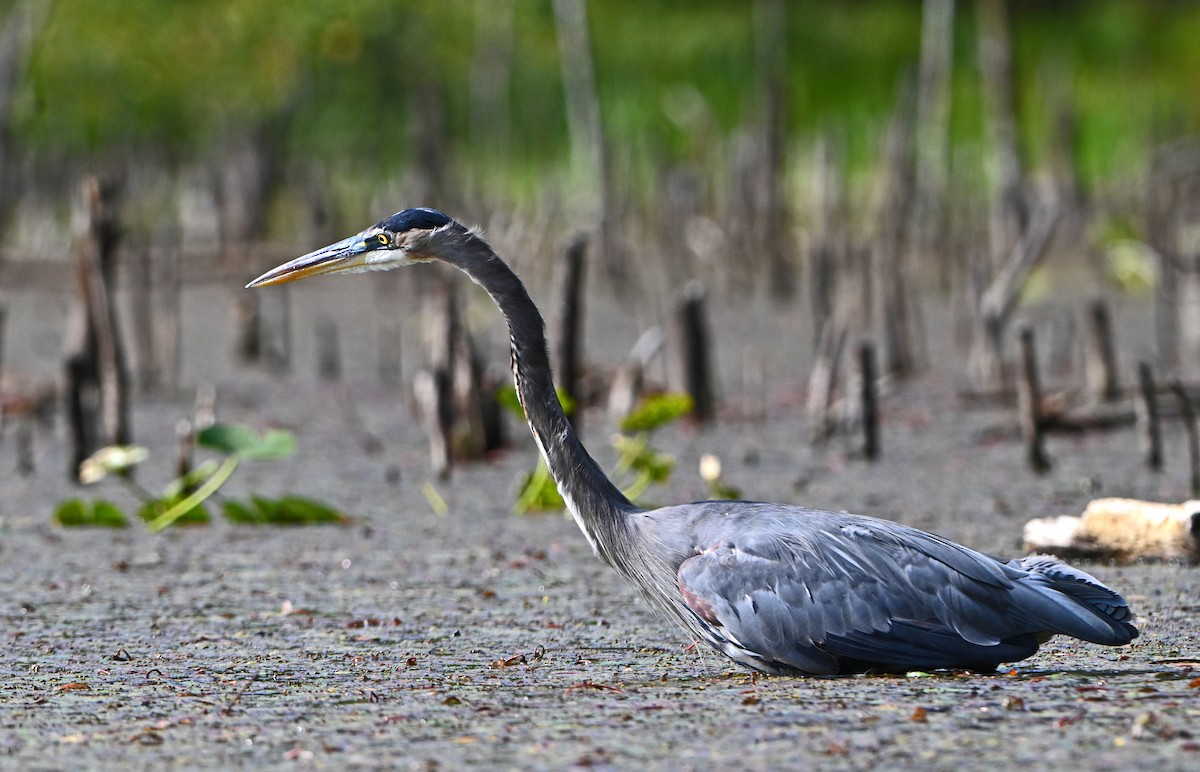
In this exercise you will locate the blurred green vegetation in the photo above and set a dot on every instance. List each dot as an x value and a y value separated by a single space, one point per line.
674 77
183 501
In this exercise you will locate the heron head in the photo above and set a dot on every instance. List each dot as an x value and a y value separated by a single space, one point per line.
401 239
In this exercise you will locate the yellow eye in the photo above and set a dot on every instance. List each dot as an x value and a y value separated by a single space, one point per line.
382 239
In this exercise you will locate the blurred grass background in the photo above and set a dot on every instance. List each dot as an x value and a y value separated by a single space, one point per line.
886 166
176 79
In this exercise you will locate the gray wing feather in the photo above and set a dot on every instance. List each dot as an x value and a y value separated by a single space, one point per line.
1077 584
831 587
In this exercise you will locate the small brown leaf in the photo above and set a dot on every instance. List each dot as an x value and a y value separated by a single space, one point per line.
919 716
516 659
287 608
592 685
1065 721
74 686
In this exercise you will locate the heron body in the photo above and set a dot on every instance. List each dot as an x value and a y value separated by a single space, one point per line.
780 589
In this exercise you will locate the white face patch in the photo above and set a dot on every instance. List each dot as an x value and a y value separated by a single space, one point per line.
384 259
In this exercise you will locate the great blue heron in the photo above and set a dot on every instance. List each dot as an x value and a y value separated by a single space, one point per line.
777 588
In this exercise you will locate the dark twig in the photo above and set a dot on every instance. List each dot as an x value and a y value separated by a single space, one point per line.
1029 398
694 352
329 360
142 308
822 380
593 685
25 454
1148 417
98 402
3 315
570 323
1187 412
236 699
185 434
248 322
1101 369
870 399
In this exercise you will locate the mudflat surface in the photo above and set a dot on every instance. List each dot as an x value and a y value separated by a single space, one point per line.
479 637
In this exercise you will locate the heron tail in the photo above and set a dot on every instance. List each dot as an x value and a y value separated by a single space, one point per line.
1086 593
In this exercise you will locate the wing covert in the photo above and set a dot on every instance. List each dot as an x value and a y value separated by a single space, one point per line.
870 594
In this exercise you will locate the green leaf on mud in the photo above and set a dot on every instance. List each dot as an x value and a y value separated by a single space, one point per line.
181 486
240 513
229 439
506 397
658 410
242 441
288 510
150 511
75 513
636 455
539 493
719 491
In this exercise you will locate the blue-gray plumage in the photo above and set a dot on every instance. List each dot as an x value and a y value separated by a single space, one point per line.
780 589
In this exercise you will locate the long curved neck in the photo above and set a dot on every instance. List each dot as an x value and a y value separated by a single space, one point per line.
599 508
